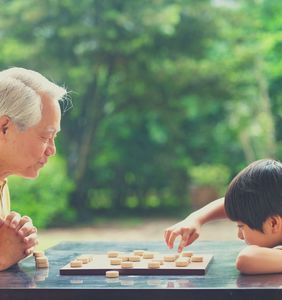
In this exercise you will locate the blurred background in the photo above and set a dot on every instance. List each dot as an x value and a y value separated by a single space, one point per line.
170 100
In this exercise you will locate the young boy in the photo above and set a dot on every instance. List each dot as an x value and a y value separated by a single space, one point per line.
253 200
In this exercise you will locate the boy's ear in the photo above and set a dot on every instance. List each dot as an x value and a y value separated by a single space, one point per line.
275 223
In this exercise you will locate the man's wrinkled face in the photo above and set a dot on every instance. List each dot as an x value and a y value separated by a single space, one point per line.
30 149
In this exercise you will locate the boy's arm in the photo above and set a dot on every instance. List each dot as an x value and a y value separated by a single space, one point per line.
259 260
189 228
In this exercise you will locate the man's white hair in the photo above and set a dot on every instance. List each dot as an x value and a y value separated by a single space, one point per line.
20 95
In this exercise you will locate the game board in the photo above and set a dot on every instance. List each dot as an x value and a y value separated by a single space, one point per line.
101 263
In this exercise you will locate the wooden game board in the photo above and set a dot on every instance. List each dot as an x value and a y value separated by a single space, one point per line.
101 264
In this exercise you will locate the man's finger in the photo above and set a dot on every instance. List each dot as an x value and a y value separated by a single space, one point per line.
31 240
23 220
13 219
27 229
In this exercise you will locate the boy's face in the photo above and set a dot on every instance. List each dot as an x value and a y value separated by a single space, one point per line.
254 237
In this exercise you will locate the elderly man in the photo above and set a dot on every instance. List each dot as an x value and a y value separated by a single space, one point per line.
29 122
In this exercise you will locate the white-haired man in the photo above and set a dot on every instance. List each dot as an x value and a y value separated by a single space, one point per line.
29 122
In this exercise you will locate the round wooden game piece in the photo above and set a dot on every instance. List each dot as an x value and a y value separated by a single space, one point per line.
42 265
115 261
138 252
41 259
38 253
148 255
76 263
113 254
161 261
42 262
169 258
197 258
187 258
181 263
112 274
45 266
83 259
187 254
127 264
124 258
153 264
134 258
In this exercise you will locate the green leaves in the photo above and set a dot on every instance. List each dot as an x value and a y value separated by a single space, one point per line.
46 197
157 87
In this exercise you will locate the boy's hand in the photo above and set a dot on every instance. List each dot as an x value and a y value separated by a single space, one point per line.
188 229
25 229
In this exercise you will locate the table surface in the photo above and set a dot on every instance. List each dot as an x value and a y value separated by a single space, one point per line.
222 279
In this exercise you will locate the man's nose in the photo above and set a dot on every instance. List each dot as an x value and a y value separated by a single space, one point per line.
51 149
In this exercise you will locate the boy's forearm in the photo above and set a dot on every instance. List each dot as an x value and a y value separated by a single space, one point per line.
212 211
259 260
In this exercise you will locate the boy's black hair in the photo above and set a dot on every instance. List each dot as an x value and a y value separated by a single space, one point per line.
255 194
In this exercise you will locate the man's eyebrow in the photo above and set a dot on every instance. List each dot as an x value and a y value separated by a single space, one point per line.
52 129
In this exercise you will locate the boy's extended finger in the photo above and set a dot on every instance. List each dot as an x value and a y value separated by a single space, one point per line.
185 237
172 237
167 235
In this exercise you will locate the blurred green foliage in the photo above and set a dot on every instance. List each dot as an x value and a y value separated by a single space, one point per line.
212 175
46 197
158 87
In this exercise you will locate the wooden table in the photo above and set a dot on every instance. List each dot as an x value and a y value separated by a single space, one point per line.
222 280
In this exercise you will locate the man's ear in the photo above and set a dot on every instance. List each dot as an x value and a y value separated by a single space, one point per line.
5 123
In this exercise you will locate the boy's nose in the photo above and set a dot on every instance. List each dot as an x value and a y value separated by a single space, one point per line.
240 235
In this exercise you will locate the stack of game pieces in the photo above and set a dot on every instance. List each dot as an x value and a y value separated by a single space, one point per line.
41 260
